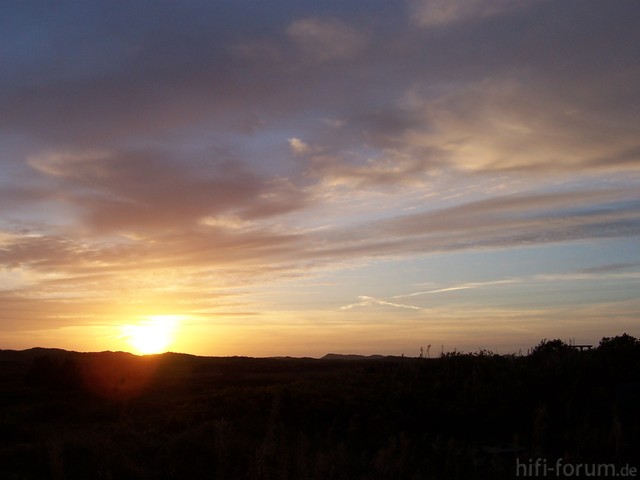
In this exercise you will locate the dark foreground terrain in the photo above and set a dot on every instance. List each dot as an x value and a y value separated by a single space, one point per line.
116 416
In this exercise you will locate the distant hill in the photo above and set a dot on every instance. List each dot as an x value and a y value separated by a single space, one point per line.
340 356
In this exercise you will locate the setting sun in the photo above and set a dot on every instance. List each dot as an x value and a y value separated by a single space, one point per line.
154 334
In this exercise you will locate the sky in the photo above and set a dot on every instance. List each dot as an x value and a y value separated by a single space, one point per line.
277 178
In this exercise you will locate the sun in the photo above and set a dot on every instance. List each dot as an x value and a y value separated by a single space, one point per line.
154 334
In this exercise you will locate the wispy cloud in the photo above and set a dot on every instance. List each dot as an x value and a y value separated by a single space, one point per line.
610 268
392 169
429 13
454 288
573 277
366 301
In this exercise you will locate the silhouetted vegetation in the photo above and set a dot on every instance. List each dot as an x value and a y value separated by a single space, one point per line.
462 415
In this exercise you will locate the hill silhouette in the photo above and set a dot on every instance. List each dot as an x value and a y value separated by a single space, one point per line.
351 356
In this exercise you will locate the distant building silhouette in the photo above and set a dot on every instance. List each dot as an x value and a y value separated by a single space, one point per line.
582 347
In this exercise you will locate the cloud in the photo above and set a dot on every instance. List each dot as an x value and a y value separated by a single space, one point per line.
610 268
501 222
231 250
143 75
454 288
71 164
105 276
134 191
391 169
515 126
326 39
574 277
225 221
435 13
476 96
519 209
298 147
366 301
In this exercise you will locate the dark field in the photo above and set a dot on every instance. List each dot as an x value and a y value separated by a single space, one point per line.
114 415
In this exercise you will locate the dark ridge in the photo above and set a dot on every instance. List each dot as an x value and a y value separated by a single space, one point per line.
352 356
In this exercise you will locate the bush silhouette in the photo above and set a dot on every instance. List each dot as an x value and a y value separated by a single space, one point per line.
551 350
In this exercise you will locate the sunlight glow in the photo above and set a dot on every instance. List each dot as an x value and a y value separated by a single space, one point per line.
154 334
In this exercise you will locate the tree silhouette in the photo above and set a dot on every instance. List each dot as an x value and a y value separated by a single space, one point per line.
551 349
620 343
